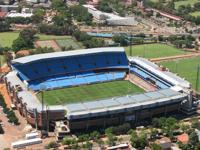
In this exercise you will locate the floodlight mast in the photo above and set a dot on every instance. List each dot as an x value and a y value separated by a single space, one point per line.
42 88
197 78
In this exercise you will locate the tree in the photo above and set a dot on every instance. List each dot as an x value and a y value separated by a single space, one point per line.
111 139
58 5
51 144
69 141
193 138
87 145
38 15
83 137
195 123
95 135
120 39
155 146
100 142
1 130
139 141
153 134
81 13
25 40
104 6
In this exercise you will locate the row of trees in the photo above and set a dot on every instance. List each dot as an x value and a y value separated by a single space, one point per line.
87 40
185 41
115 6
10 114
81 14
183 10
25 40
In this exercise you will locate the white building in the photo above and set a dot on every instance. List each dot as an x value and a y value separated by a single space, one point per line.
110 18
25 13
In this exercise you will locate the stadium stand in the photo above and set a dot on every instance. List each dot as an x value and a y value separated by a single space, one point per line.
72 68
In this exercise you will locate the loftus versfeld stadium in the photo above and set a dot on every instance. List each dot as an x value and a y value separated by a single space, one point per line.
93 88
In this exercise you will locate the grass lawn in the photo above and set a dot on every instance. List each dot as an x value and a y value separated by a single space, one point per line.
44 37
69 42
90 92
186 68
7 38
185 2
195 14
154 50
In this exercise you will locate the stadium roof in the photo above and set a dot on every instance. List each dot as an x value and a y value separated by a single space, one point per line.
31 58
168 76
120 104
14 80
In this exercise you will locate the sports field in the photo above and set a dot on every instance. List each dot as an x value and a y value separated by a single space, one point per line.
185 3
195 14
69 42
7 38
154 50
186 68
89 92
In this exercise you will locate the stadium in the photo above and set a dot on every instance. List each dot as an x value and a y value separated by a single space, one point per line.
93 88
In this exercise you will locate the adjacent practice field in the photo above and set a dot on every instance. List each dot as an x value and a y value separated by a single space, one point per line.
69 43
154 50
195 14
7 38
89 92
186 68
185 3
48 44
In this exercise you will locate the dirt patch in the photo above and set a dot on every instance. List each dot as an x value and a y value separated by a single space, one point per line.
49 44
174 57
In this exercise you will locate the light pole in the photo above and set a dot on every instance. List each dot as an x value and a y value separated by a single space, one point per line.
197 79
42 89
129 39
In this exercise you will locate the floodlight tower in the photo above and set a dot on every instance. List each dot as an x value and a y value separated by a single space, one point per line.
42 89
197 79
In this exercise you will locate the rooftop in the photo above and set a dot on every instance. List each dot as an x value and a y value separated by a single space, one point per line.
168 76
36 57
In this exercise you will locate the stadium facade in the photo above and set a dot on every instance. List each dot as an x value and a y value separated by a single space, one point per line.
36 73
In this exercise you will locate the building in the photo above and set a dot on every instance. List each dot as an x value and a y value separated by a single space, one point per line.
31 74
165 143
110 18
25 13
8 8
183 138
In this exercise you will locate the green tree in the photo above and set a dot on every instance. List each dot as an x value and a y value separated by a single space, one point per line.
95 135
195 123
155 146
193 138
38 15
25 40
139 141
58 5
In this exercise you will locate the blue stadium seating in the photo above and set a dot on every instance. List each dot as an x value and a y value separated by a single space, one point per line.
73 70
139 71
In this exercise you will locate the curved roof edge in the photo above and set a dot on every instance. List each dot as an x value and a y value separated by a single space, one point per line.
31 58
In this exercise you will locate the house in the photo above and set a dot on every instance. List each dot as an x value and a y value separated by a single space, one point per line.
165 143
183 138
2 14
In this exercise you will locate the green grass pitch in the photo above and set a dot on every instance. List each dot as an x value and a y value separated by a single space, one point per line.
69 42
185 3
186 68
89 92
154 50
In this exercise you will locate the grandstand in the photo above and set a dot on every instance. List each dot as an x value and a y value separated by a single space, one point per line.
60 73
72 68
